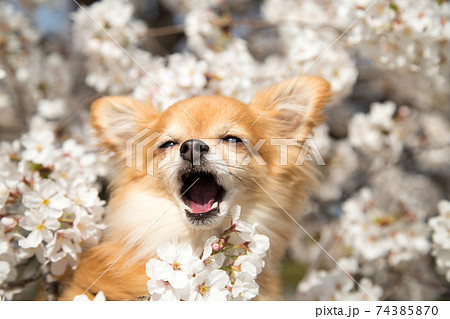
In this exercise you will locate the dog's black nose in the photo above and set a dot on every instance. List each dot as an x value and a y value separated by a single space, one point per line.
192 150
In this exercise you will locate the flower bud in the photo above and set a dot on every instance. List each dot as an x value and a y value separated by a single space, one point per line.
9 222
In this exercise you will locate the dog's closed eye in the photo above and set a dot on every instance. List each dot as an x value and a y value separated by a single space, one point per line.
168 144
232 139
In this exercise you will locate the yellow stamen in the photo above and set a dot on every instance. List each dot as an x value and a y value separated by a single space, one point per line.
45 202
176 266
203 289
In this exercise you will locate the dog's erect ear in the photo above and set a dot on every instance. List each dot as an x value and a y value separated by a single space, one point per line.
294 106
118 118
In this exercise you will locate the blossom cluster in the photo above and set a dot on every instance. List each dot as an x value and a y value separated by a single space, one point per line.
410 41
226 268
28 77
338 284
218 63
390 237
441 245
49 203
16 38
407 39
383 222
386 144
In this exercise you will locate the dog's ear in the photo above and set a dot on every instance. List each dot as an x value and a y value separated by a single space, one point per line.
117 118
293 106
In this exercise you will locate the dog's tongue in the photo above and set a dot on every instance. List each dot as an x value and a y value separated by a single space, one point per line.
202 195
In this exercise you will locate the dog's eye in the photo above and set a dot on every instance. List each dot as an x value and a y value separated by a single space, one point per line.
232 139
167 144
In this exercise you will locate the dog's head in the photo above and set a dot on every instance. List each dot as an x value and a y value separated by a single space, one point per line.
203 152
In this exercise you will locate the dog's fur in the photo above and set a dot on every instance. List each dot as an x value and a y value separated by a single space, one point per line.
138 200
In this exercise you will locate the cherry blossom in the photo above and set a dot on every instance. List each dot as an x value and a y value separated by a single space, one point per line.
226 265
38 147
40 226
46 198
176 265
441 227
210 286
244 287
385 144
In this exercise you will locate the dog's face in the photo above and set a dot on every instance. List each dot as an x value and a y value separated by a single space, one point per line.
199 160
203 152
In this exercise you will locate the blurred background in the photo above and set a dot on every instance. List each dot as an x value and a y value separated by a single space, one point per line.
383 208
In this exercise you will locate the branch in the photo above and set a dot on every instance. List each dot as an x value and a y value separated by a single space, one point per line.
163 31
143 298
20 284
179 28
50 284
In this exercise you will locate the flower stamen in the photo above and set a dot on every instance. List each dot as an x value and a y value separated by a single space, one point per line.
203 289
176 266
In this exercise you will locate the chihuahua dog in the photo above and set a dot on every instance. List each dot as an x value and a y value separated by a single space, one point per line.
209 166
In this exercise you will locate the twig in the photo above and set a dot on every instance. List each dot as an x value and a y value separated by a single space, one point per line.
50 284
179 28
143 298
19 284
163 31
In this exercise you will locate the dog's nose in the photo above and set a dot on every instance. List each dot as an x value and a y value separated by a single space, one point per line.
192 150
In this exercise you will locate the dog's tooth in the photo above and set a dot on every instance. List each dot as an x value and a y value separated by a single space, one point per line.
215 205
186 207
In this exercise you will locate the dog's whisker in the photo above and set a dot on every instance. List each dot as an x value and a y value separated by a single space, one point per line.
228 165
239 179
165 180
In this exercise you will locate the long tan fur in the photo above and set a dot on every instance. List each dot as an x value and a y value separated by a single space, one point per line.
138 200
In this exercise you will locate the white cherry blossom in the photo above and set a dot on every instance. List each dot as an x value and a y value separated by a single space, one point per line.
47 197
210 286
40 226
250 264
38 147
386 142
244 288
176 265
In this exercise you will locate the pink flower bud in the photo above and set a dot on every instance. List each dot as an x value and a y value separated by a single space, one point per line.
215 246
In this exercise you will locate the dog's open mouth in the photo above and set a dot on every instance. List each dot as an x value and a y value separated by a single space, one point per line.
201 195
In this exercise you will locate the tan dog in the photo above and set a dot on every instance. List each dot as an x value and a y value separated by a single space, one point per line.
194 199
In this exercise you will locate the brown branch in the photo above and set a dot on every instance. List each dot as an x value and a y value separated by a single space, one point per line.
164 31
20 284
143 298
179 28
50 284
